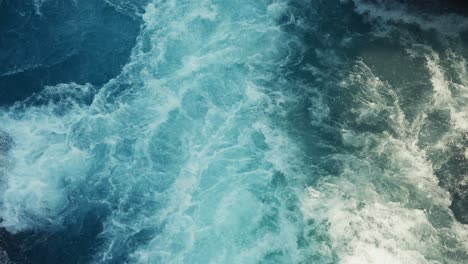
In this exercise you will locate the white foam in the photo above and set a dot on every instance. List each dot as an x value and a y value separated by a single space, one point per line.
386 206
211 198
446 24
43 159
38 5
443 97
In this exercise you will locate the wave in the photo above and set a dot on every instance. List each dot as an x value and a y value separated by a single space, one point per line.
177 152
246 132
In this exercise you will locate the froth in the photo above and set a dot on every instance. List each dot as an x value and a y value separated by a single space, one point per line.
386 206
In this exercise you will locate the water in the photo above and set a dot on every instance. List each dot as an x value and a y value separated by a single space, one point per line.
243 132
49 42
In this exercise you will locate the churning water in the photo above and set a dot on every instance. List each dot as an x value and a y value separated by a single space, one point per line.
266 131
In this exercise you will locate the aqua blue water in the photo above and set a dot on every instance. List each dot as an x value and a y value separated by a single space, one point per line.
267 131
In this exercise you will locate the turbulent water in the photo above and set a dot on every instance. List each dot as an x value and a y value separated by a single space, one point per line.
268 131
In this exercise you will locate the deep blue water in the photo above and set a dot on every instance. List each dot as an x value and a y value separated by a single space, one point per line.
211 131
61 41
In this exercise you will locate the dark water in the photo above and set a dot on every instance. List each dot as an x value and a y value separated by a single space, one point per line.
61 41
233 131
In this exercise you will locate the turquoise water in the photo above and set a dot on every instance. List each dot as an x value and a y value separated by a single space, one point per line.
249 132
